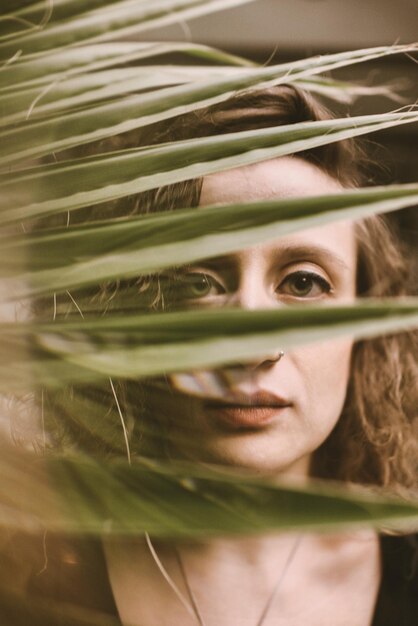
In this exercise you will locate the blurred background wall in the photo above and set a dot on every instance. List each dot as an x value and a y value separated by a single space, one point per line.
308 25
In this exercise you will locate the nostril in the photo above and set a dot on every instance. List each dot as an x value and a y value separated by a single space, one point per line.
273 359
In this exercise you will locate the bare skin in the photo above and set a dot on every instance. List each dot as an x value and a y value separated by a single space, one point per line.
332 580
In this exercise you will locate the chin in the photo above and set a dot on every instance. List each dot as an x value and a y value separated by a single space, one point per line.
258 457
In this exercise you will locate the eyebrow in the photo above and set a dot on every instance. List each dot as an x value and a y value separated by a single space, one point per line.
290 253
294 253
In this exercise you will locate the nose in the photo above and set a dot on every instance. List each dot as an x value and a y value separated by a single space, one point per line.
264 362
251 295
215 383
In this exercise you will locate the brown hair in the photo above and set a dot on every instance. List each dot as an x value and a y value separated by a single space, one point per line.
374 441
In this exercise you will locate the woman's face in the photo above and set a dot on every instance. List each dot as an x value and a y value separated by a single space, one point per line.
281 409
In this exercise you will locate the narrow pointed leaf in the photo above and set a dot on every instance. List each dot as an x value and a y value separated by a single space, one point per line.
62 9
78 495
44 70
134 346
105 178
75 257
30 140
347 92
98 87
120 19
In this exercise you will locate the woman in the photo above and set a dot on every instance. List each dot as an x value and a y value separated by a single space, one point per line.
334 410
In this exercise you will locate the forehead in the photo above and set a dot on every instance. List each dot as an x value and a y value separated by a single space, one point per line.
332 247
284 177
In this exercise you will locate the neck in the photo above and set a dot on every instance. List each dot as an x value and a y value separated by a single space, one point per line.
233 580
252 550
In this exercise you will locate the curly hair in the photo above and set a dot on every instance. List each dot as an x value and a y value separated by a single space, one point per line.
375 440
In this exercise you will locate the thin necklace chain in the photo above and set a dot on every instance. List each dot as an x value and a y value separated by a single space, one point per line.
193 607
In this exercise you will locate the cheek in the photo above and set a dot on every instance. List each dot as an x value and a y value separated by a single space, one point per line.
323 372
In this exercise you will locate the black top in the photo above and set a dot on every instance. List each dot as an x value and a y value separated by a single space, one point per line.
76 576
397 601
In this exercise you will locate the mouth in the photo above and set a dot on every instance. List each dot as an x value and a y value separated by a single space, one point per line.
240 411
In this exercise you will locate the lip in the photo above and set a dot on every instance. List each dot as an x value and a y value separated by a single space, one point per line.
241 410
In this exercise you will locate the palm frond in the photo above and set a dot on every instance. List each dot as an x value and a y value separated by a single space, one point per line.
47 70
70 258
132 346
38 138
45 190
176 500
61 86
111 20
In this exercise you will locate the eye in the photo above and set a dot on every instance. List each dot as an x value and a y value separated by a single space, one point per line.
195 285
304 284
